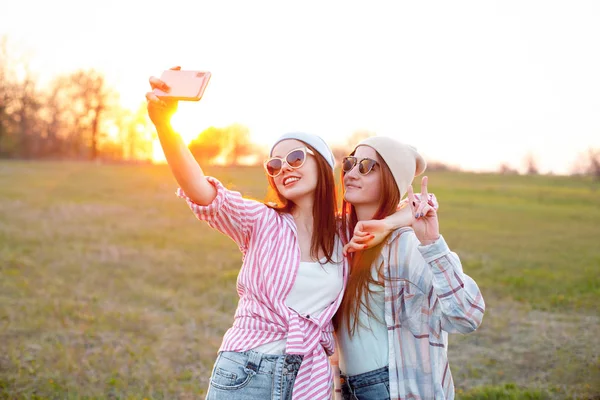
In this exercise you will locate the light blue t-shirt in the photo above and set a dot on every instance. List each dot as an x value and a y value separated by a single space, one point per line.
367 349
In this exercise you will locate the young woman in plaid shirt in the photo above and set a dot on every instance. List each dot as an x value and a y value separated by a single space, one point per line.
404 295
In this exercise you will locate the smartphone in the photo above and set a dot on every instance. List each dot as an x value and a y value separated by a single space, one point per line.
185 85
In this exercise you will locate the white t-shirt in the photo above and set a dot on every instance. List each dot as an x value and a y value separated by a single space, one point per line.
367 349
316 287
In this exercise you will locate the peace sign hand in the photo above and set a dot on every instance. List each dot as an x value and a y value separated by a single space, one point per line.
425 223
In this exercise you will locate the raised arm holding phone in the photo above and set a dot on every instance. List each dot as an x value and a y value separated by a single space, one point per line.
184 166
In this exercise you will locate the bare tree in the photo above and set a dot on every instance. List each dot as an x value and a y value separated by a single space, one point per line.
138 135
130 135
531 164
240 144
7 97
587 163
595 162
26 116
19 105
69 118
96 99
54 117
89 99
506 169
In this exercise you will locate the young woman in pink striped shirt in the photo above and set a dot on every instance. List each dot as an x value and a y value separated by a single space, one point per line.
293 272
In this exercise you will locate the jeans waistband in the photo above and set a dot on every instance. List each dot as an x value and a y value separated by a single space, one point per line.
264 363
367 378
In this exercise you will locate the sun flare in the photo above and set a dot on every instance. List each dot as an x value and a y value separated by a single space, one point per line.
185 123
158 156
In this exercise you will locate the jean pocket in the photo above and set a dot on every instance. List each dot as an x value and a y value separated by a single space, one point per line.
231 374
379 391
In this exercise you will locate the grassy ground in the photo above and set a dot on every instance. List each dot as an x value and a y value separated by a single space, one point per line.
109 287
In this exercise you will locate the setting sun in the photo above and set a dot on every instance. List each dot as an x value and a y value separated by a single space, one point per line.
158 156
185 122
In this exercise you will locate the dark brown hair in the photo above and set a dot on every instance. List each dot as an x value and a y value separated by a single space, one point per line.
357 292
324 208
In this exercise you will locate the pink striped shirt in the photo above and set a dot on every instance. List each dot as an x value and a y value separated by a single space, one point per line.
271 257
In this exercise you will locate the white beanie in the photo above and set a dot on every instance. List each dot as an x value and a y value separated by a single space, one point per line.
403 160
315 141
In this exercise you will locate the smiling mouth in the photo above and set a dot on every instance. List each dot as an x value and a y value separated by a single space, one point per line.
289 180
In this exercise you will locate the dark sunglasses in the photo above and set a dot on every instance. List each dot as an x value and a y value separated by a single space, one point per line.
294 159
365 165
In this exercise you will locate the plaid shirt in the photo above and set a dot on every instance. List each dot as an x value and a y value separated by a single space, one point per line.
427 296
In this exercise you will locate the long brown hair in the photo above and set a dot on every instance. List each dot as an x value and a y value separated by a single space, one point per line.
358 293
325 208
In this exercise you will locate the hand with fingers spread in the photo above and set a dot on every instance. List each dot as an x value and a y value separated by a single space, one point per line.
425 223
160 111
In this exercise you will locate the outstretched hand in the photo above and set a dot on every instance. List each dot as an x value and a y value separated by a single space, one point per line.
160 111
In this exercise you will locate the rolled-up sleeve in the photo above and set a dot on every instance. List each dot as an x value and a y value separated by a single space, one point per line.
229 213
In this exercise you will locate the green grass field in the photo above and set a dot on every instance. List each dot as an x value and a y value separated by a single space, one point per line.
110 288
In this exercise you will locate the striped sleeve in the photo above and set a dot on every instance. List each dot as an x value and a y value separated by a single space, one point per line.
229 213
459 296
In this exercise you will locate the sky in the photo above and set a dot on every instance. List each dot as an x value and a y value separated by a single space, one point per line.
473 84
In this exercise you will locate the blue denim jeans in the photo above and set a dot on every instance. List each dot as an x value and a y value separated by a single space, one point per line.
372 385
250 375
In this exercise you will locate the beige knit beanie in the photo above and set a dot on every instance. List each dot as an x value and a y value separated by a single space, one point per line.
404 160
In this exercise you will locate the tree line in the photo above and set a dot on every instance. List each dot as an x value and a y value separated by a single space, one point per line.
78 116
75 116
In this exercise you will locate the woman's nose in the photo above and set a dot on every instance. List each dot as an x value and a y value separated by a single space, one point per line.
353 173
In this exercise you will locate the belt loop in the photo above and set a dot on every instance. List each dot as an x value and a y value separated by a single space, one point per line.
254 359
